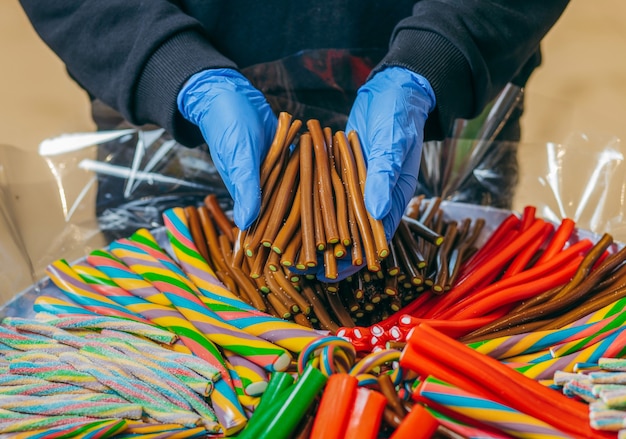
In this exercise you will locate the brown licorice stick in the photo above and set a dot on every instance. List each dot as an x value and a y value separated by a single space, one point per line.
289 258
318 217
238 247
277 146
281 309
210 235
356 250
392 263
285 194
225 250
257 280
589 306
405 261
350 303
380 239
319 309
339 250
536 300
586 266
307 218
388 389
487 334
273 261
350 176
276 289
252 242
302 320
245 285
221 220
228 282
429 212
410 244
617 277
260 259
330 148
463 251
291 225
422 231
341 203
327 203
195 227
443 257
391 286
288 288
463 231
338 309
330 264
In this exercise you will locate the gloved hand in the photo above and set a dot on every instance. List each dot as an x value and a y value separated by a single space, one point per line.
238 126
389 114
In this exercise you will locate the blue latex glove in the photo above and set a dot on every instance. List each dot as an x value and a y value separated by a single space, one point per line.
389 114
238 126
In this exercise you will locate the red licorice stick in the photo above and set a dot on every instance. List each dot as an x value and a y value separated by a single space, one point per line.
560 237
453 328
417 361
528 217
505 384
510 224
411 308
523 258
366 414
417 424
526 276
331 419
483 304
488 268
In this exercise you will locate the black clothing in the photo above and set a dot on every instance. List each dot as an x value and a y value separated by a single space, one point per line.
136 55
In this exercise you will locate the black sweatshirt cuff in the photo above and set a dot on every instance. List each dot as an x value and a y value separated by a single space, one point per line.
446 69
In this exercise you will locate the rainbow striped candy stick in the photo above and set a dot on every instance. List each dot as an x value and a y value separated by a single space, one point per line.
225 403
157 378
90 429
531 342
253 378
601 314
199 384
154 404
55 306
83 322
49 388
143 430
487 412
257 350
606 330
612 346
54 406
38 426
24 342
224 303
124 277
161 315
465 430
77 290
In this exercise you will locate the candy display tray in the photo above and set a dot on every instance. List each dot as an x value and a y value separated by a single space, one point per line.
21 305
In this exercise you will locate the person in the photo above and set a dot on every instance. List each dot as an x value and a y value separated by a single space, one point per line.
180 65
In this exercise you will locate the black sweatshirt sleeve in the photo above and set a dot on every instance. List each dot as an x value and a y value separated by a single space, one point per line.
470 49
133 55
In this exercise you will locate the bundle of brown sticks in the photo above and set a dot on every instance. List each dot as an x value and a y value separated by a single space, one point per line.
313 212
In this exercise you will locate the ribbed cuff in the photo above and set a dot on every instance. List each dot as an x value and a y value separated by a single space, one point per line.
175 61
446 69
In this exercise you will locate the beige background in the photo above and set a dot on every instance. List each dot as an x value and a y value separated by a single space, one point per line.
581 88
